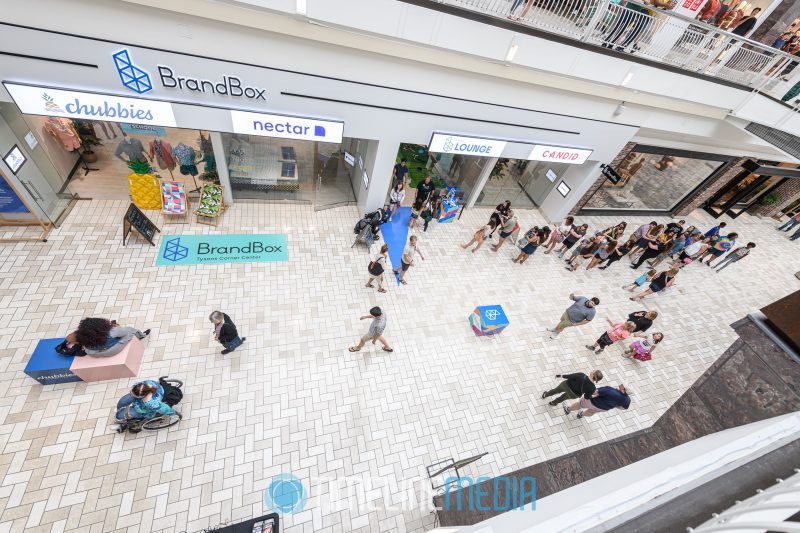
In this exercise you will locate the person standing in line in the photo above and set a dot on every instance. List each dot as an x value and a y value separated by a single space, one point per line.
692 252
399 173
722 246
377 267
642 319
225 332
375 333
479 236
585 250
574 386
619 252
618 332
503 210
662 281
794 219
507 229
604 399
424 189
675 228
580 313
560 233
713 232
603 252
642 350
533 238
574 235
407 258
615 233
642 245
655 248
396 198
736 255
642 235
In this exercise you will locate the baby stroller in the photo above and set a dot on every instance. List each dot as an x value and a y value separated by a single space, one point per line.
368 228
172 397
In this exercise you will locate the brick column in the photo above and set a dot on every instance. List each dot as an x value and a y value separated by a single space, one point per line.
699 197
599 182
787 192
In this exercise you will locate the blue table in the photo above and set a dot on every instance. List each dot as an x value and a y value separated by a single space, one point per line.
47 366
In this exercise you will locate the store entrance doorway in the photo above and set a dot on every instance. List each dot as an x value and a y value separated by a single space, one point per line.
753 184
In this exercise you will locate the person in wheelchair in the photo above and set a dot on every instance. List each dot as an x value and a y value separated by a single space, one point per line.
144 401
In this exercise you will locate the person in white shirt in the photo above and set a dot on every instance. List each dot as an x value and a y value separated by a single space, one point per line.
396 198
408 258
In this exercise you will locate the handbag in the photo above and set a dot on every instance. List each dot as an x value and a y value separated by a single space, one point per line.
76 350
375 268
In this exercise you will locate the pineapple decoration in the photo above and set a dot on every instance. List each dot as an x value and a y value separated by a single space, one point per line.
143 186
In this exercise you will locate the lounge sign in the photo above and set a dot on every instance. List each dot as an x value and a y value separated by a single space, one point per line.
287 127
33 100
178 250
560 154
443 143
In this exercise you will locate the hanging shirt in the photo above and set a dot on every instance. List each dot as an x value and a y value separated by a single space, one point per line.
184 154
132 148
64 132
162 152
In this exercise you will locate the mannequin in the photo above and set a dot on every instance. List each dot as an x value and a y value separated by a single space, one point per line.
63 131
187 158
132 147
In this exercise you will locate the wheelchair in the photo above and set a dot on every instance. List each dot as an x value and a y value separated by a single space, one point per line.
135 425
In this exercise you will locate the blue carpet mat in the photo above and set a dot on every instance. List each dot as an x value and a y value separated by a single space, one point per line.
395 234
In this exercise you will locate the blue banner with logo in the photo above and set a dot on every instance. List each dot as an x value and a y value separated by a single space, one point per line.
216 249
9 201
143 129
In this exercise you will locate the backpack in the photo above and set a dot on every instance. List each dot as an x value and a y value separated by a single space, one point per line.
76 350
172 395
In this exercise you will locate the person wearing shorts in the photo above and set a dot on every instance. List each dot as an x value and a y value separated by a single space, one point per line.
604 399
407 259
579 313
375 332
720 248
508 227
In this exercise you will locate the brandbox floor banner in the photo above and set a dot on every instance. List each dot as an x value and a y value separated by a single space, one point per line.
215 249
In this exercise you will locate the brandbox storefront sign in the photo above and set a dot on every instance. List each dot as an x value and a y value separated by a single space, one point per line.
178 250
34 100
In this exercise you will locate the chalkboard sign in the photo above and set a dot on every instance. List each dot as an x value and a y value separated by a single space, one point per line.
135 219
611 174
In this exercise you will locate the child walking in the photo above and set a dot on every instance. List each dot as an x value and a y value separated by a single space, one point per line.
641 280
643 350
225 332
619 331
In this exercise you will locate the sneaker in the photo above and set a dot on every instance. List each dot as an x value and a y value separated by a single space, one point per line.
554 335
551 330
226 351
553 403
565 407
544 395
590 347
146 332
580 415
244 339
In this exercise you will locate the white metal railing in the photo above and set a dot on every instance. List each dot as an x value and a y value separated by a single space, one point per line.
654 34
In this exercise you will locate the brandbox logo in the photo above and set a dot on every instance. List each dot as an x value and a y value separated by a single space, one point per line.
131 76
174 252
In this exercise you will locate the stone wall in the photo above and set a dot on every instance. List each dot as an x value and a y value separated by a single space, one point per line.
752 380
788 192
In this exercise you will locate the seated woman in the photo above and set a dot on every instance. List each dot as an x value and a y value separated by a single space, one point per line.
104 338
145 401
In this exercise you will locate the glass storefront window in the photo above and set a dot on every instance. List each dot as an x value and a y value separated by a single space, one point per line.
653 180
524 183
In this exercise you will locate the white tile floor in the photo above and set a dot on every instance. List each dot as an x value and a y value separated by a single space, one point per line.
293 399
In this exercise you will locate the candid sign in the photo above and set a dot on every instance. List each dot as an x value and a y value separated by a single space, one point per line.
559 154
286 127
74 104
215 249
442 143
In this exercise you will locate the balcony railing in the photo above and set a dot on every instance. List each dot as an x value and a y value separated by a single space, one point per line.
654 34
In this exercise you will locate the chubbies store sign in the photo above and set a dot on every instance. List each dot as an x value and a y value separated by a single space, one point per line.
215 249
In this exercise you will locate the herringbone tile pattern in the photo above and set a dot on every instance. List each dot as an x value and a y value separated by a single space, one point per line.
293 399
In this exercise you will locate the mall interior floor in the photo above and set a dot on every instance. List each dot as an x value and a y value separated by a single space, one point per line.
293 399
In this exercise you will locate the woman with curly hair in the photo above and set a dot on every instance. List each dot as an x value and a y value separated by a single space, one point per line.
104 338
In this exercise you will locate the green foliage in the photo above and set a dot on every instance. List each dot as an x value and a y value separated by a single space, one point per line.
86 135
770 199
139 167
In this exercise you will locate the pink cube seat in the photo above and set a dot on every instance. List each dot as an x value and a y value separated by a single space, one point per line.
125 364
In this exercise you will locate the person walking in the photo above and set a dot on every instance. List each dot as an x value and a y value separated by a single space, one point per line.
642 320
507 229
662 281
574 386
532 240
375 332
480 235
794 219
225 332
604 399
722 246
619 331
377 267
416 210
579 313
736 255
396 198
399 173
407 259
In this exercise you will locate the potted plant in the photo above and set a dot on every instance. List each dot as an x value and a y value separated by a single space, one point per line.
88 140
770 199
